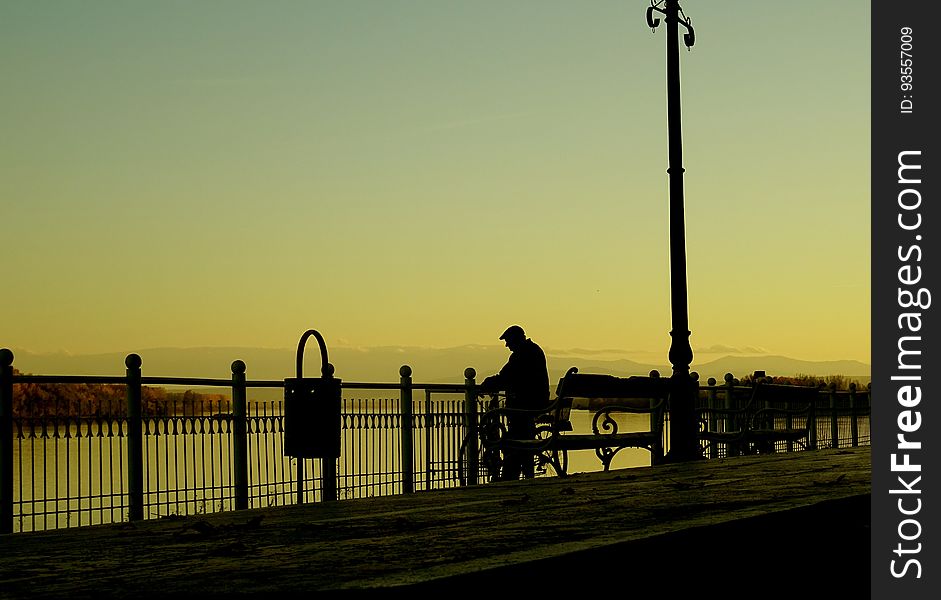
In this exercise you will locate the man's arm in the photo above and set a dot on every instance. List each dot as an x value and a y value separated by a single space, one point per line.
494 383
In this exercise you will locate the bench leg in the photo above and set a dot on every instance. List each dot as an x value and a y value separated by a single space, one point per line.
656 454
556 460
560 462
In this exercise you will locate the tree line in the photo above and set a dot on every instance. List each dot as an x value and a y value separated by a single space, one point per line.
837 382
104 400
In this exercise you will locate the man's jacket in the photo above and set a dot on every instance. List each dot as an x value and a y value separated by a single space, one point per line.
525 378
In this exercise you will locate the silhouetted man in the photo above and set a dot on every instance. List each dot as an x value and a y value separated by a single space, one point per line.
525 378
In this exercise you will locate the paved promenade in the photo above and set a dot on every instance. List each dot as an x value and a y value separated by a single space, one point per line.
791 524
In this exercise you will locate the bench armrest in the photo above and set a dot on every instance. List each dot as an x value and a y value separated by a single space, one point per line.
604 422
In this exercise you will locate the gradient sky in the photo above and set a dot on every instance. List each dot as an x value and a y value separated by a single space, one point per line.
427 172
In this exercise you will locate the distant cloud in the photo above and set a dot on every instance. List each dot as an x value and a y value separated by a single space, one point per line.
722 349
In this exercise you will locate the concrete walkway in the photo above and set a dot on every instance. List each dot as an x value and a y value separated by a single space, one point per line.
749 527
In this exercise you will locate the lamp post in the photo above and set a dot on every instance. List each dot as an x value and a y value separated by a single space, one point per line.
683 442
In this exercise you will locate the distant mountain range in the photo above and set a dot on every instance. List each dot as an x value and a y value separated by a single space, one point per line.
381 364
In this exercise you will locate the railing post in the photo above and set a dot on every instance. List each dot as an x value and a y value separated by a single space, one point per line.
405 395
713 404
812 426
697 402
240 434
470 425
834 418
854 424
135 440
330 491
429 427
731 449
6 441
657 451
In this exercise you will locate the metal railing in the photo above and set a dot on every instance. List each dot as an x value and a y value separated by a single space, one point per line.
842 417
131 456
127 456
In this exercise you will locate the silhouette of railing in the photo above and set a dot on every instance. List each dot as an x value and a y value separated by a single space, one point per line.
132 457
842 416
135 458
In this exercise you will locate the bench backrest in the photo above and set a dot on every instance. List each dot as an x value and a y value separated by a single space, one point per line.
626 391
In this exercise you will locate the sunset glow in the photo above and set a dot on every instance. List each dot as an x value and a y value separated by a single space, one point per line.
426 173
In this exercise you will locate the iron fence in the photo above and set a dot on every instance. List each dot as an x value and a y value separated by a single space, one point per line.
129 456
841 416
125 456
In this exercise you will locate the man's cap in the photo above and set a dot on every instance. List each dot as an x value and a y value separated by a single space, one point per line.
513 331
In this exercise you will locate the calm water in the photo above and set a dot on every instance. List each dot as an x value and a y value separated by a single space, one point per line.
61 482
81 480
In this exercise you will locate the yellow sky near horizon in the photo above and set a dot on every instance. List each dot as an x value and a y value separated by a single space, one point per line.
426 173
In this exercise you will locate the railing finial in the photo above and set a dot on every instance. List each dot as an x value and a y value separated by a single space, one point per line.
133 361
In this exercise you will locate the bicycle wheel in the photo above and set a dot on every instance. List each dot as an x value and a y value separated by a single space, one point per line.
489 463
551 461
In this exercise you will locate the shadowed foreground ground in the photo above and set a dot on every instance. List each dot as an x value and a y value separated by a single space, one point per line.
755 527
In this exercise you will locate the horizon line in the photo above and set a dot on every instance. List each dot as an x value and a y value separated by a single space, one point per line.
725 352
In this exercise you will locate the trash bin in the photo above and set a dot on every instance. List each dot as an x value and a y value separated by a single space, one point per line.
312 409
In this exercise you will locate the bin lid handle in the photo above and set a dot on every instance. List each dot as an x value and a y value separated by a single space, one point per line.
325 369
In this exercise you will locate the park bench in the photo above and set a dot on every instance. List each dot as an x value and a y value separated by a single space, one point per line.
609 396
775 416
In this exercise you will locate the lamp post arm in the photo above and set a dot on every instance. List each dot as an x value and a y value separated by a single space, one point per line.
689 38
